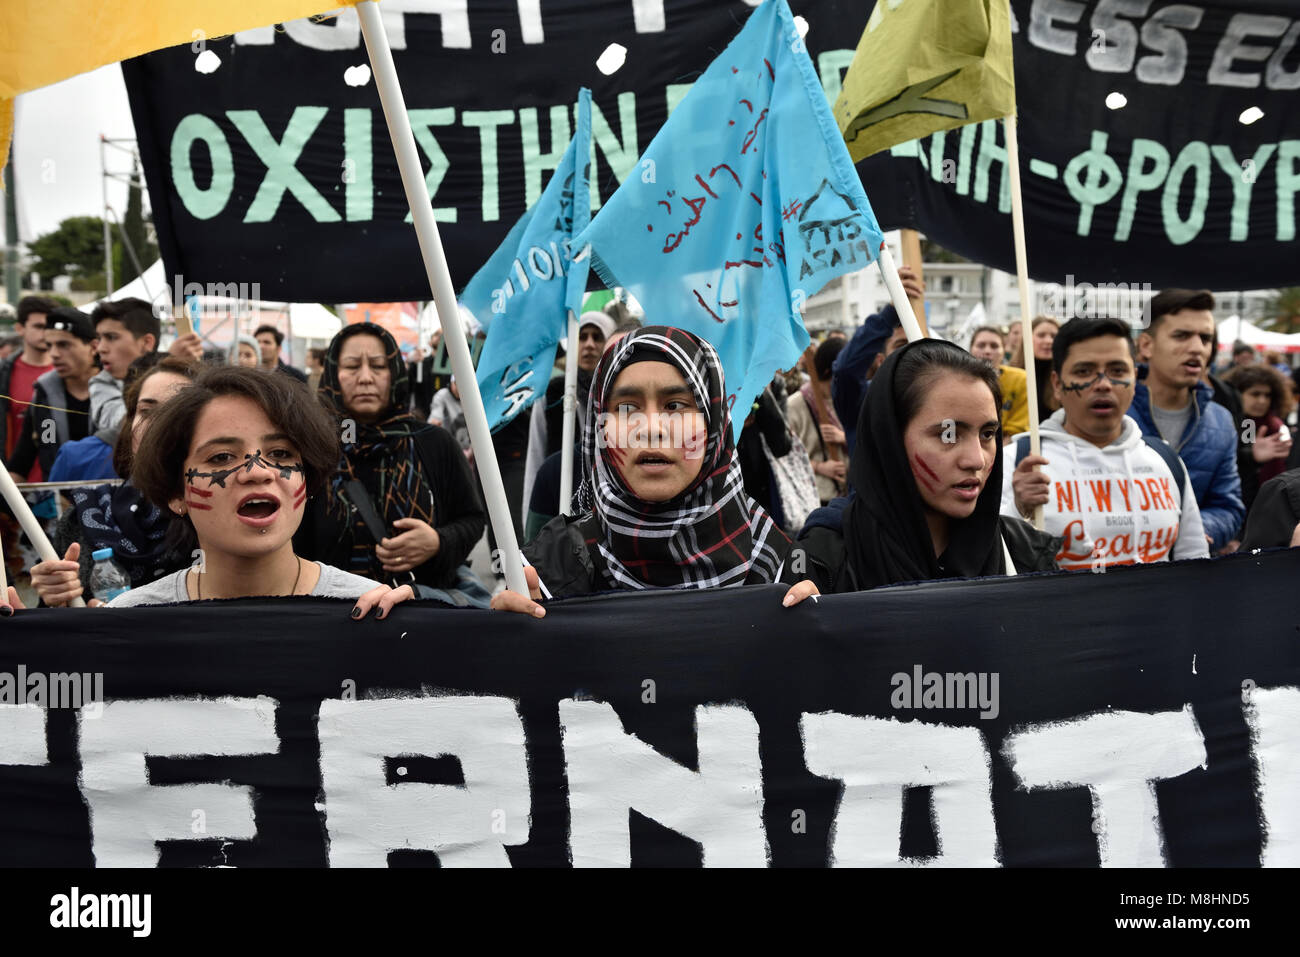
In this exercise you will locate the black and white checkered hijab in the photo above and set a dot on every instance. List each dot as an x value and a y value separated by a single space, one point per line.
710 535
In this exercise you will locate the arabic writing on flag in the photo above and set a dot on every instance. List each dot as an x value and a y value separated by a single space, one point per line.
744 205
524 293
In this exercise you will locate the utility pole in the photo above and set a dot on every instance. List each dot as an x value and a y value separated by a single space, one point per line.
13 285
108 236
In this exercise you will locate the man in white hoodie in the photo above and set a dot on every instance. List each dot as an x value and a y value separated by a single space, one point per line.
1114 496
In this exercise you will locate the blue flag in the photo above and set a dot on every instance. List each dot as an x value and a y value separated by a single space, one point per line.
744 205
524 294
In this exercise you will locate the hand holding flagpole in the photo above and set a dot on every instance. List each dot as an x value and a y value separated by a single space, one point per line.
23 512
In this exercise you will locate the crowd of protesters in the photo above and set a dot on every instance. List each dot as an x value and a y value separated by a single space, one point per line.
873 462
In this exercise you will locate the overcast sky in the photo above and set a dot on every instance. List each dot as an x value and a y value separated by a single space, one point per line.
56 144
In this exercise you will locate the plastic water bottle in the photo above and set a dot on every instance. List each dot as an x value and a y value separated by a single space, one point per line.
107 579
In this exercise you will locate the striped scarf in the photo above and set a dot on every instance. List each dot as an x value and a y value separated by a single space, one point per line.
710 535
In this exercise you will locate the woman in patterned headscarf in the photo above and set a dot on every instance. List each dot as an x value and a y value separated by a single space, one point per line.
662 502
402 507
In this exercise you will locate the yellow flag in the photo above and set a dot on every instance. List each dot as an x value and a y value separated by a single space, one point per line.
45 41
924 66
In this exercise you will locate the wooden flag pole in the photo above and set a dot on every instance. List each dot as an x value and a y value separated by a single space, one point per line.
444 294
911 242
570 414
1022 274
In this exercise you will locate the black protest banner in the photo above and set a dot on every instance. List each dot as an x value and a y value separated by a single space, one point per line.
1143 716
1138 165
272 169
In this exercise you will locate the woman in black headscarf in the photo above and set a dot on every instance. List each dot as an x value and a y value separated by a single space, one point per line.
662 502
927 476
402 507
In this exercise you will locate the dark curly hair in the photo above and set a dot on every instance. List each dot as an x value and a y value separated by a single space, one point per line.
159 465
1247 377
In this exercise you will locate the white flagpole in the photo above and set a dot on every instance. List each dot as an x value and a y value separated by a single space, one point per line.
1022 274
23 512
898 295
444 294
570 413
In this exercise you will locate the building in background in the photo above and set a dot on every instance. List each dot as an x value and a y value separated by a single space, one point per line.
962 295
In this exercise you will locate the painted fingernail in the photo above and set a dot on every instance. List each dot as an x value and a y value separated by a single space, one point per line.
356 612
6 611
383 613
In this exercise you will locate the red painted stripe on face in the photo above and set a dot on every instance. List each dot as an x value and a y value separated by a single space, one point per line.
199 492
199 505
928 471
299 497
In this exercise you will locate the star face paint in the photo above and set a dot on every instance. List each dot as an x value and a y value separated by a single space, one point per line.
219 476
244 481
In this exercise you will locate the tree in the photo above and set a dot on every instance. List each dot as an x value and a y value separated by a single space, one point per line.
1284 310
137 235
75 248
932 252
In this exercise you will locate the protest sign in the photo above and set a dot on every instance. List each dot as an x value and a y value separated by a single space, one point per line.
1155 149
273 169
1126 718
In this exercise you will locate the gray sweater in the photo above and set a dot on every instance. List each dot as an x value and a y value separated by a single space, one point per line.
333 583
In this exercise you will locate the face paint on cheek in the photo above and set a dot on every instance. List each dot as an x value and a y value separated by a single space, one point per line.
926 476
194 495
217 478
300 496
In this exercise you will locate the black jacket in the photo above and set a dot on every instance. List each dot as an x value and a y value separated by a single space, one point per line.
291 371
819 554
457 509
563 562
1275 514
50 402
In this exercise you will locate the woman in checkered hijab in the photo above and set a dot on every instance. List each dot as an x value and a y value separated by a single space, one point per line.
662 503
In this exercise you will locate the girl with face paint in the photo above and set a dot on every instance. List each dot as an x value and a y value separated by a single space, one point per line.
927 480
662 502
237 456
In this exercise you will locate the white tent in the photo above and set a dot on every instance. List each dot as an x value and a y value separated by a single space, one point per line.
151 286
1234 328
311 320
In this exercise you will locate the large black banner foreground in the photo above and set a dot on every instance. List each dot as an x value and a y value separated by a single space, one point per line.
1143 716
272 169
1158 146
